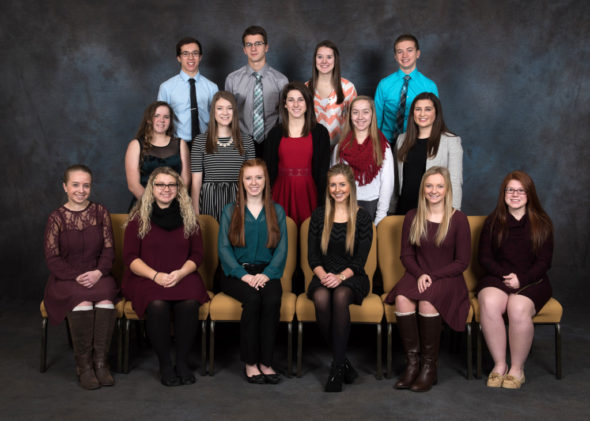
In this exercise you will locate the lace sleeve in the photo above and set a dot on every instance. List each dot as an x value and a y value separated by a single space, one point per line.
56 264
107 255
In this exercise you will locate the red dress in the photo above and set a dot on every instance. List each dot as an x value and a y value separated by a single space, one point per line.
77 242
163 251
294 188
445 265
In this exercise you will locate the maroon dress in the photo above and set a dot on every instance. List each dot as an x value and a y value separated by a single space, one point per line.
77 242
515 255
444 264
163 251
294 188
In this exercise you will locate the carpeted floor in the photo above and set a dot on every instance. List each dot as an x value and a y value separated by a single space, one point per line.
26 394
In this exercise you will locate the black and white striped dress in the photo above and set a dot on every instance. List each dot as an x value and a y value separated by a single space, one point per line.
220 172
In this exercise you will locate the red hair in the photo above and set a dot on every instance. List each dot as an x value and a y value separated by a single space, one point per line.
541 225
236 232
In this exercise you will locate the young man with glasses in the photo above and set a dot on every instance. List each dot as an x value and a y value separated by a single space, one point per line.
189 93
257 88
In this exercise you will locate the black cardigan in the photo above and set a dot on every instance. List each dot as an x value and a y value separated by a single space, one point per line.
320 160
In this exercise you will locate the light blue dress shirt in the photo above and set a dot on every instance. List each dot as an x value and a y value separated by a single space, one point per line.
176 92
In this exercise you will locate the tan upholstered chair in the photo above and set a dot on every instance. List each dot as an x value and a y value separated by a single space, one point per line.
369 312
227 309
209 230
117 221
389 242
550 314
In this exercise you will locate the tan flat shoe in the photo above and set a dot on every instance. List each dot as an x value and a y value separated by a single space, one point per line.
511 382
495 379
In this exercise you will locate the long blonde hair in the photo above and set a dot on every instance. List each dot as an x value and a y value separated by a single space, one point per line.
346 171
419 228
142 210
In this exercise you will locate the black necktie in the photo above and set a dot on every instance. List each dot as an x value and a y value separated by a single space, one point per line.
194 110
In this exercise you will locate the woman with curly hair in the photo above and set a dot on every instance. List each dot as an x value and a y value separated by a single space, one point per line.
162 250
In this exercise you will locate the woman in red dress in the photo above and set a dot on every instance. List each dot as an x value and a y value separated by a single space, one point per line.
79 253
436 249
162 250
297 153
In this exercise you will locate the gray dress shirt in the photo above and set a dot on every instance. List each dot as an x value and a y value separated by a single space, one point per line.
241 84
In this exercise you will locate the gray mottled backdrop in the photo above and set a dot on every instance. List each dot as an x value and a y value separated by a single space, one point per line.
76 75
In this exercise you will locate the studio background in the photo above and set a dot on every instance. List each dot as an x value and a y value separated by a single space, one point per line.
75 77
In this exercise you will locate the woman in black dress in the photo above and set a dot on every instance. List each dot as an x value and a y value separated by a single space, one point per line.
340 237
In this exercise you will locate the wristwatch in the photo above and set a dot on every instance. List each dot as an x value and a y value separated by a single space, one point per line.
342 277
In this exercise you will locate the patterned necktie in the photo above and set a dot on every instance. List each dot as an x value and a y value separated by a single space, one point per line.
401 111
258 110
194 110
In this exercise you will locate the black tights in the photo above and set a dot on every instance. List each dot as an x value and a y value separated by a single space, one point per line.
333 316
185 326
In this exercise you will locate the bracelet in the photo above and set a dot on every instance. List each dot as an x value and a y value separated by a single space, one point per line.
154 278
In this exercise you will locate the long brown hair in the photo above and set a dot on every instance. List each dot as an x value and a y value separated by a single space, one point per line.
348 173
310 120
145 132
336 81
438 128
236 232
374 133
541 225
142 210
419 227
211 144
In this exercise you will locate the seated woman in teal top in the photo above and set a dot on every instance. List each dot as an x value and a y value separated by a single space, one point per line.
253 251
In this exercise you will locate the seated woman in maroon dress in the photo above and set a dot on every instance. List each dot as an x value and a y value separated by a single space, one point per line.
163 248
297 154
79 254
515 249
436 249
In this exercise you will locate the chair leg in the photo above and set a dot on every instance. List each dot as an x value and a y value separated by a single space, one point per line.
479 334
558 351
203 347
119 333
469 352
126 335
211 348
379 374
43 365
299 347
289 349
389 350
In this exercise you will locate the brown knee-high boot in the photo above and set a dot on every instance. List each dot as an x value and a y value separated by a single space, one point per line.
81 329
408 332
429 343
104 322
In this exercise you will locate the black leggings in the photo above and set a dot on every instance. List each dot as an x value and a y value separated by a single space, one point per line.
185 326
333 316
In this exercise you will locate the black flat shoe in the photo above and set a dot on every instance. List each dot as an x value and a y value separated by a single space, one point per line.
255 379
272 378
350 374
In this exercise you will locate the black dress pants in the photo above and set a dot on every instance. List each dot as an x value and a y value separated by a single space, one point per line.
260 317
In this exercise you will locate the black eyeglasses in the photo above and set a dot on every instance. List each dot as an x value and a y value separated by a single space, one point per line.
162 186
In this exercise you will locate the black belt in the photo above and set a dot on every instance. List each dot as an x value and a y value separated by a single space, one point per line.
254 269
